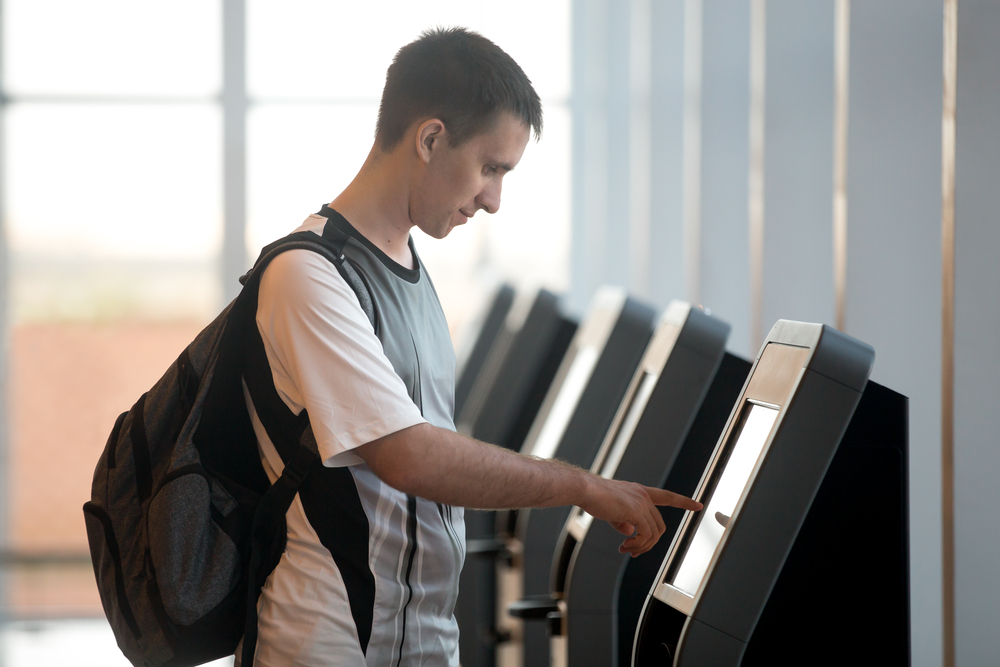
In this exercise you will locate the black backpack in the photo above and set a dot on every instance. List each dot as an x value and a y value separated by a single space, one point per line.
183 524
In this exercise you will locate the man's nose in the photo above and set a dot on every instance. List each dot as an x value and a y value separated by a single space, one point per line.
489 199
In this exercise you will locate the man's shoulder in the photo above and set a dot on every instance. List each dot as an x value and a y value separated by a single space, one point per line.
313 223
300 278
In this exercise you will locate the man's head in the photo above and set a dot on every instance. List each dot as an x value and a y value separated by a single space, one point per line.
459 111
459 77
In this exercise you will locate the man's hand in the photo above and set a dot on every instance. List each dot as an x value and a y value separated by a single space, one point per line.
631 510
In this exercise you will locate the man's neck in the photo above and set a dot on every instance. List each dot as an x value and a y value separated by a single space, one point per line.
375 203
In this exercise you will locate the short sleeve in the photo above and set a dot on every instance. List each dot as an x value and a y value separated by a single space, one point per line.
326 358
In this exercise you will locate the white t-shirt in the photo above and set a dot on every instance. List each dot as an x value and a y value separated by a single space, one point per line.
325 358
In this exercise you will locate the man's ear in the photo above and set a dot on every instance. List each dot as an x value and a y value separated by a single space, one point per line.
430 137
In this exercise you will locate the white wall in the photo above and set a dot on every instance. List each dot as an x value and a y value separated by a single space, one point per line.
798 164
725 156
894 255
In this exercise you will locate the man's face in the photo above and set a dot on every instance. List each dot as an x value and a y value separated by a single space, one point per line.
458 181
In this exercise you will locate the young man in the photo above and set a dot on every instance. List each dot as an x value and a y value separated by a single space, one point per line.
376 537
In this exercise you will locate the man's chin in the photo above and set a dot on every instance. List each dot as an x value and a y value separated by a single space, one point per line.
449 228
440 232
436 231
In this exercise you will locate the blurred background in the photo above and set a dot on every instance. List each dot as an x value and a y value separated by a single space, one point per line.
765 158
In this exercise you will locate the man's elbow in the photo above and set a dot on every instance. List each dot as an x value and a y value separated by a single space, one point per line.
395 458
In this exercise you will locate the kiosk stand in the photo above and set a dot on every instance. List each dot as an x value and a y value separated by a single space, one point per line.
782 434
633 581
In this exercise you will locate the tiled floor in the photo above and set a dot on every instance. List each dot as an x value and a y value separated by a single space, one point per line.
56 643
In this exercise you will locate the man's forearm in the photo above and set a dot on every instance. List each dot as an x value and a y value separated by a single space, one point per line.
450 468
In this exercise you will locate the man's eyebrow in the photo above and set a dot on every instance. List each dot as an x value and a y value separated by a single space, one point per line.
503 165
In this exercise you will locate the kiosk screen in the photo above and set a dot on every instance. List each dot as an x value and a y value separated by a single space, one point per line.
726 492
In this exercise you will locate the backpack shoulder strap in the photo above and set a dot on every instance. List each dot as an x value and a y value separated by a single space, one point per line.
289 433
339 239
283 427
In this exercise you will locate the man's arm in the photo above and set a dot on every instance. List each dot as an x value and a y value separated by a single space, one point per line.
450 468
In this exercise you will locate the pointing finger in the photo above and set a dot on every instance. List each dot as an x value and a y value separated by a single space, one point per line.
663 497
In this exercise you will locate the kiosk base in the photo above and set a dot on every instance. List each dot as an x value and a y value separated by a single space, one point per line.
475 606
666 623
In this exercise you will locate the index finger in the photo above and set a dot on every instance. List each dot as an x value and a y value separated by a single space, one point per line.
671 499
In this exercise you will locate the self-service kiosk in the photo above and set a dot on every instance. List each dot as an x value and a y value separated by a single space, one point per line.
503 399
713 588
577 412
472 354
675 402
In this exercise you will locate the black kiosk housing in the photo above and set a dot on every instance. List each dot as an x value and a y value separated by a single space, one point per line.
518 369
737 586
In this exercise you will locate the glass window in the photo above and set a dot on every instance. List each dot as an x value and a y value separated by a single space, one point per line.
112 165
113 220
112 160
53 643
112 47
299 157
105 180
114 210
310 48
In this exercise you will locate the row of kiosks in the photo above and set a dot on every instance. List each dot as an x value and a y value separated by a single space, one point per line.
579 408
617 356
674 416
505 375
564 412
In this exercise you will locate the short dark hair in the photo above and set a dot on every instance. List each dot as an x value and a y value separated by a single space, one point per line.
458 76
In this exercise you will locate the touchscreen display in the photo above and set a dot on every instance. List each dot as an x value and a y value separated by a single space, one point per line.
728 488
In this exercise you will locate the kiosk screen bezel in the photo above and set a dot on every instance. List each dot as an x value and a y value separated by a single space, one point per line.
771 385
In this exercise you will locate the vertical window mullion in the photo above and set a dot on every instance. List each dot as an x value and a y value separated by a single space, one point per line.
234 109
4 330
